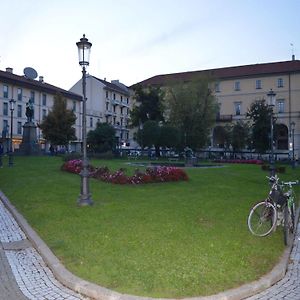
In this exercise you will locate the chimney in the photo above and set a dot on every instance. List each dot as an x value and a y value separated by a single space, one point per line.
9 70
293 57
41 78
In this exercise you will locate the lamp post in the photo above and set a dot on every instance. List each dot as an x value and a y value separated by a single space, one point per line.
293 141
84 48
10 155
271 102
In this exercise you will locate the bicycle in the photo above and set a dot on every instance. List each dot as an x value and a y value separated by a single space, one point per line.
277 209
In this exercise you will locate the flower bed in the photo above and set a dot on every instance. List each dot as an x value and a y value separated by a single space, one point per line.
151 175
240 161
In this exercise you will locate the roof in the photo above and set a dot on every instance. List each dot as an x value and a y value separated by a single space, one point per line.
114 87
22 81
283 67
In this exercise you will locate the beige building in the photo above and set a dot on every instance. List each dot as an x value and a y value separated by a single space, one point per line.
108 102
237 87
21 89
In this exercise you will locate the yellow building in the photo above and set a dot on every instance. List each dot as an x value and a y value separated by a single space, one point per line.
237 87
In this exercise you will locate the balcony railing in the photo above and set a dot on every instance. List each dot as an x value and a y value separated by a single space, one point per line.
224 118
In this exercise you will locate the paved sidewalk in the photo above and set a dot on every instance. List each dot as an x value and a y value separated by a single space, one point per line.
289 287
23 273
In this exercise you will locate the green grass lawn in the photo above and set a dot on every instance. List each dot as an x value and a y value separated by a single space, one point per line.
160 240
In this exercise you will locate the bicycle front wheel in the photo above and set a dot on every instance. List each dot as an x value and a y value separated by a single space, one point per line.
262 218
288 224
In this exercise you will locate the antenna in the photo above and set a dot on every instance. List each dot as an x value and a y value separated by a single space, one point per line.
30 73
293 51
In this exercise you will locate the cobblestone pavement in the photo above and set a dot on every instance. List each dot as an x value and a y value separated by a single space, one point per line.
23 272
289 287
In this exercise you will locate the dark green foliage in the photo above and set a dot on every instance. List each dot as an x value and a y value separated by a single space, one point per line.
260 115
149 105
192 109
169 136
57 126
102 139
149 134
239 135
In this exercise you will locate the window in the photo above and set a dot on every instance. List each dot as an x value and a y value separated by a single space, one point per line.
5 91
5 128
237 86
106 94
32 96
20 94
121 98
5 109
106 106
44 99
19 111
258 84
114 108
279 82
280 105
19 128
44 113
121 110
114 96
217 87
74 106
114 121
91 122
121 120
127 100
237 108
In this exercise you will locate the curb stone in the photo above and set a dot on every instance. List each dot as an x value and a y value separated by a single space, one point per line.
100 293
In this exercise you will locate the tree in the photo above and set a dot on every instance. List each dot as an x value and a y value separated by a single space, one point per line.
260 114
102 139
192 109
57 126
169 136
239 135
149 105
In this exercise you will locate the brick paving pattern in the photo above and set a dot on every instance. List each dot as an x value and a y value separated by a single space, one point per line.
23 272
289 287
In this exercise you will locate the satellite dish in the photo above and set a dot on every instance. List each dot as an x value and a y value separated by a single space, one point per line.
30 73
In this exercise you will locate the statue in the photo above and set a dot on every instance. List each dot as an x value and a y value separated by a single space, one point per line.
29 110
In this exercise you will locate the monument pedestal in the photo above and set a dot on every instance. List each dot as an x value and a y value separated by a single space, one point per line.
29 145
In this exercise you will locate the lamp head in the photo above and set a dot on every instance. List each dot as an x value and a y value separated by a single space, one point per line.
271 98
84 50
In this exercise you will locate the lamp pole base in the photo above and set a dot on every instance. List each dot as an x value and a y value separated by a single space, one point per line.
10 160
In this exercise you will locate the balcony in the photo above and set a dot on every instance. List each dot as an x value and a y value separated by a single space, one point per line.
224 118
108 112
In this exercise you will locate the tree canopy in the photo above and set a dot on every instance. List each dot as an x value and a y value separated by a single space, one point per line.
102 139
192 109
260 114
149 105
57 126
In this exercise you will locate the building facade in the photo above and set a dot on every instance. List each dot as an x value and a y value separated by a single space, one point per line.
236 88
22 89
108 102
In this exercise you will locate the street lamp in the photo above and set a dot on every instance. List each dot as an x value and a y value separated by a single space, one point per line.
271 102
10 155
293 141
84 48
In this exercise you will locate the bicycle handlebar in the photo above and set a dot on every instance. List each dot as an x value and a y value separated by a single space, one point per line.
290 182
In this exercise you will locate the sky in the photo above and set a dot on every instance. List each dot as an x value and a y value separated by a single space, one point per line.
133 40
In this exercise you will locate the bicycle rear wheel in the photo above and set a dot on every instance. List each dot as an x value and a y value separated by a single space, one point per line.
262 218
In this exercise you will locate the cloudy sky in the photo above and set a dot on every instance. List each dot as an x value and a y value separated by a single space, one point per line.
137 39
